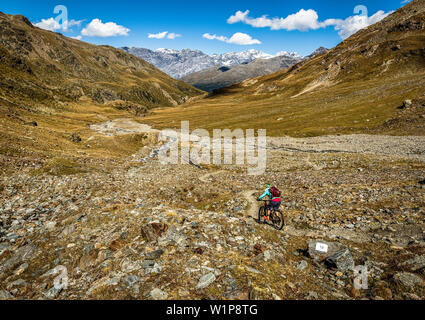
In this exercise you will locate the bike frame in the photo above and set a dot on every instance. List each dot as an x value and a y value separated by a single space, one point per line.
266 203
273 212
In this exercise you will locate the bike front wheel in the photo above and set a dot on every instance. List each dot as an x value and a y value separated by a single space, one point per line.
261 214
278 220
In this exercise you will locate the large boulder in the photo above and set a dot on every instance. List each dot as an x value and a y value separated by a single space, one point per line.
21 255
154 230
415 264
5 295
205 281
158 294
407 279
342 260
406 104
319 250
173 236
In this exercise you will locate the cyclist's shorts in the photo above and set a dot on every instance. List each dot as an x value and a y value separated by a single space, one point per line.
275 205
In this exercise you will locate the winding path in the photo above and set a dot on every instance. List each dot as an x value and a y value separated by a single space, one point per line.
401 146
249 195
204 178
412 147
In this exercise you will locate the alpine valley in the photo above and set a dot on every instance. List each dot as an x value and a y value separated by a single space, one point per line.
84 197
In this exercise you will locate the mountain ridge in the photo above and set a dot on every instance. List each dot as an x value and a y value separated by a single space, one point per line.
220 77
181 63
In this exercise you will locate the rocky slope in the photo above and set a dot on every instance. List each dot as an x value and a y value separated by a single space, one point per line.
220 77
45 71
179 64
121 228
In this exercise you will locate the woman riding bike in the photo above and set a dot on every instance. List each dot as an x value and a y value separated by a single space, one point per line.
274 195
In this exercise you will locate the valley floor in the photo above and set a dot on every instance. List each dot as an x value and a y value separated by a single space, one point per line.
130 229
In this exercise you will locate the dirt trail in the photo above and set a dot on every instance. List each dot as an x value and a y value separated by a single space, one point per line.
121 127
249 195
253 205
128 126
336 233
204 178
400 146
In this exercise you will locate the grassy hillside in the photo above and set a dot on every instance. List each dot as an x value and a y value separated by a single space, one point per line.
52 87
43 71
356 87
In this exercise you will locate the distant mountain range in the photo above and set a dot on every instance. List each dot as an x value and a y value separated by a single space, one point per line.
220 77
181 63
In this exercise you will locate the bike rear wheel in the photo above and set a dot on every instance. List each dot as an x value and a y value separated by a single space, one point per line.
278 220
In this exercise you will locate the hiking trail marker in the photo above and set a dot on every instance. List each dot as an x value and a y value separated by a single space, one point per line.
322 247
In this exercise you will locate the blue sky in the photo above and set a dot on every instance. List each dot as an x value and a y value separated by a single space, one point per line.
188 22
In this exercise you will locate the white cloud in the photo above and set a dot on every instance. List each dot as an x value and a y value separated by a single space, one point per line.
243 39
238 38
73 22
52 25
48 24
239 17
163 35
172 35
77 37
214 37
97 28
355 23
305 20
160 35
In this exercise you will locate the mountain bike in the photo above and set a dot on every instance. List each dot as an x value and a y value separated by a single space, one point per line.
276 217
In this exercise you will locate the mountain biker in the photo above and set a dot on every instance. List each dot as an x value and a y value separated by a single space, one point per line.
274 197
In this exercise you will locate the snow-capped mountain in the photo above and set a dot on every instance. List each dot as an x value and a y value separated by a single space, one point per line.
220 77
234 58
294 55
318 51
180 63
